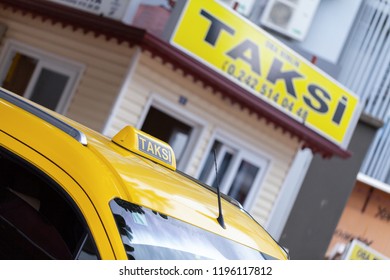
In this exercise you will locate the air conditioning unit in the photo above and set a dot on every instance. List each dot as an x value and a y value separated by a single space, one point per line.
291 18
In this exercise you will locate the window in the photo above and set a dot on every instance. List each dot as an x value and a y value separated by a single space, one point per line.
179 129
168 129
148 235
43 78
240 172
37 220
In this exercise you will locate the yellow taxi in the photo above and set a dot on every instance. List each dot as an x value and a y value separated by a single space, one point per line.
67 192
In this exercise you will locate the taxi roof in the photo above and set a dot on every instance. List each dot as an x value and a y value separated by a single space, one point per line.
106 171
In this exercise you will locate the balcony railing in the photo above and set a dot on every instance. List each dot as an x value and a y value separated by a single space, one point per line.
366 58
366 71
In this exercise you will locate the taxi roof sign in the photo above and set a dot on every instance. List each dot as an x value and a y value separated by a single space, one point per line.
146 145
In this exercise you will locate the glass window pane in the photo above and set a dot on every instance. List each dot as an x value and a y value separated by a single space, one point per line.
149 235
178 141
227 159
88 250
209 164
19 73
49 88
36 222
243 181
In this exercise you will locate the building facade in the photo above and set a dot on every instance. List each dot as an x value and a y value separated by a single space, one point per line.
366 63
106 74
353 47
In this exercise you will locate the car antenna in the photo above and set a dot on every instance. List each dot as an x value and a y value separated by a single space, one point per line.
220 216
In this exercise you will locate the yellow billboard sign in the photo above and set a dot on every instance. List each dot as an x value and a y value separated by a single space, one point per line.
241 51
357 250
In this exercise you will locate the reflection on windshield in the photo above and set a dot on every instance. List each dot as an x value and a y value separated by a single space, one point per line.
148 235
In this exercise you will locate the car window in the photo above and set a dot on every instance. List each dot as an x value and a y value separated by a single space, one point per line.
37 219
149 235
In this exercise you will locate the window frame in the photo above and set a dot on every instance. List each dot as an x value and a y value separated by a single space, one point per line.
243 151
73 70
182 114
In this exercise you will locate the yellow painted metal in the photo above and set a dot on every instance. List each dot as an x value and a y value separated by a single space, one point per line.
95 173
146 145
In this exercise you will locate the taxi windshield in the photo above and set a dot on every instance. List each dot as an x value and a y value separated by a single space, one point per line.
149 235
